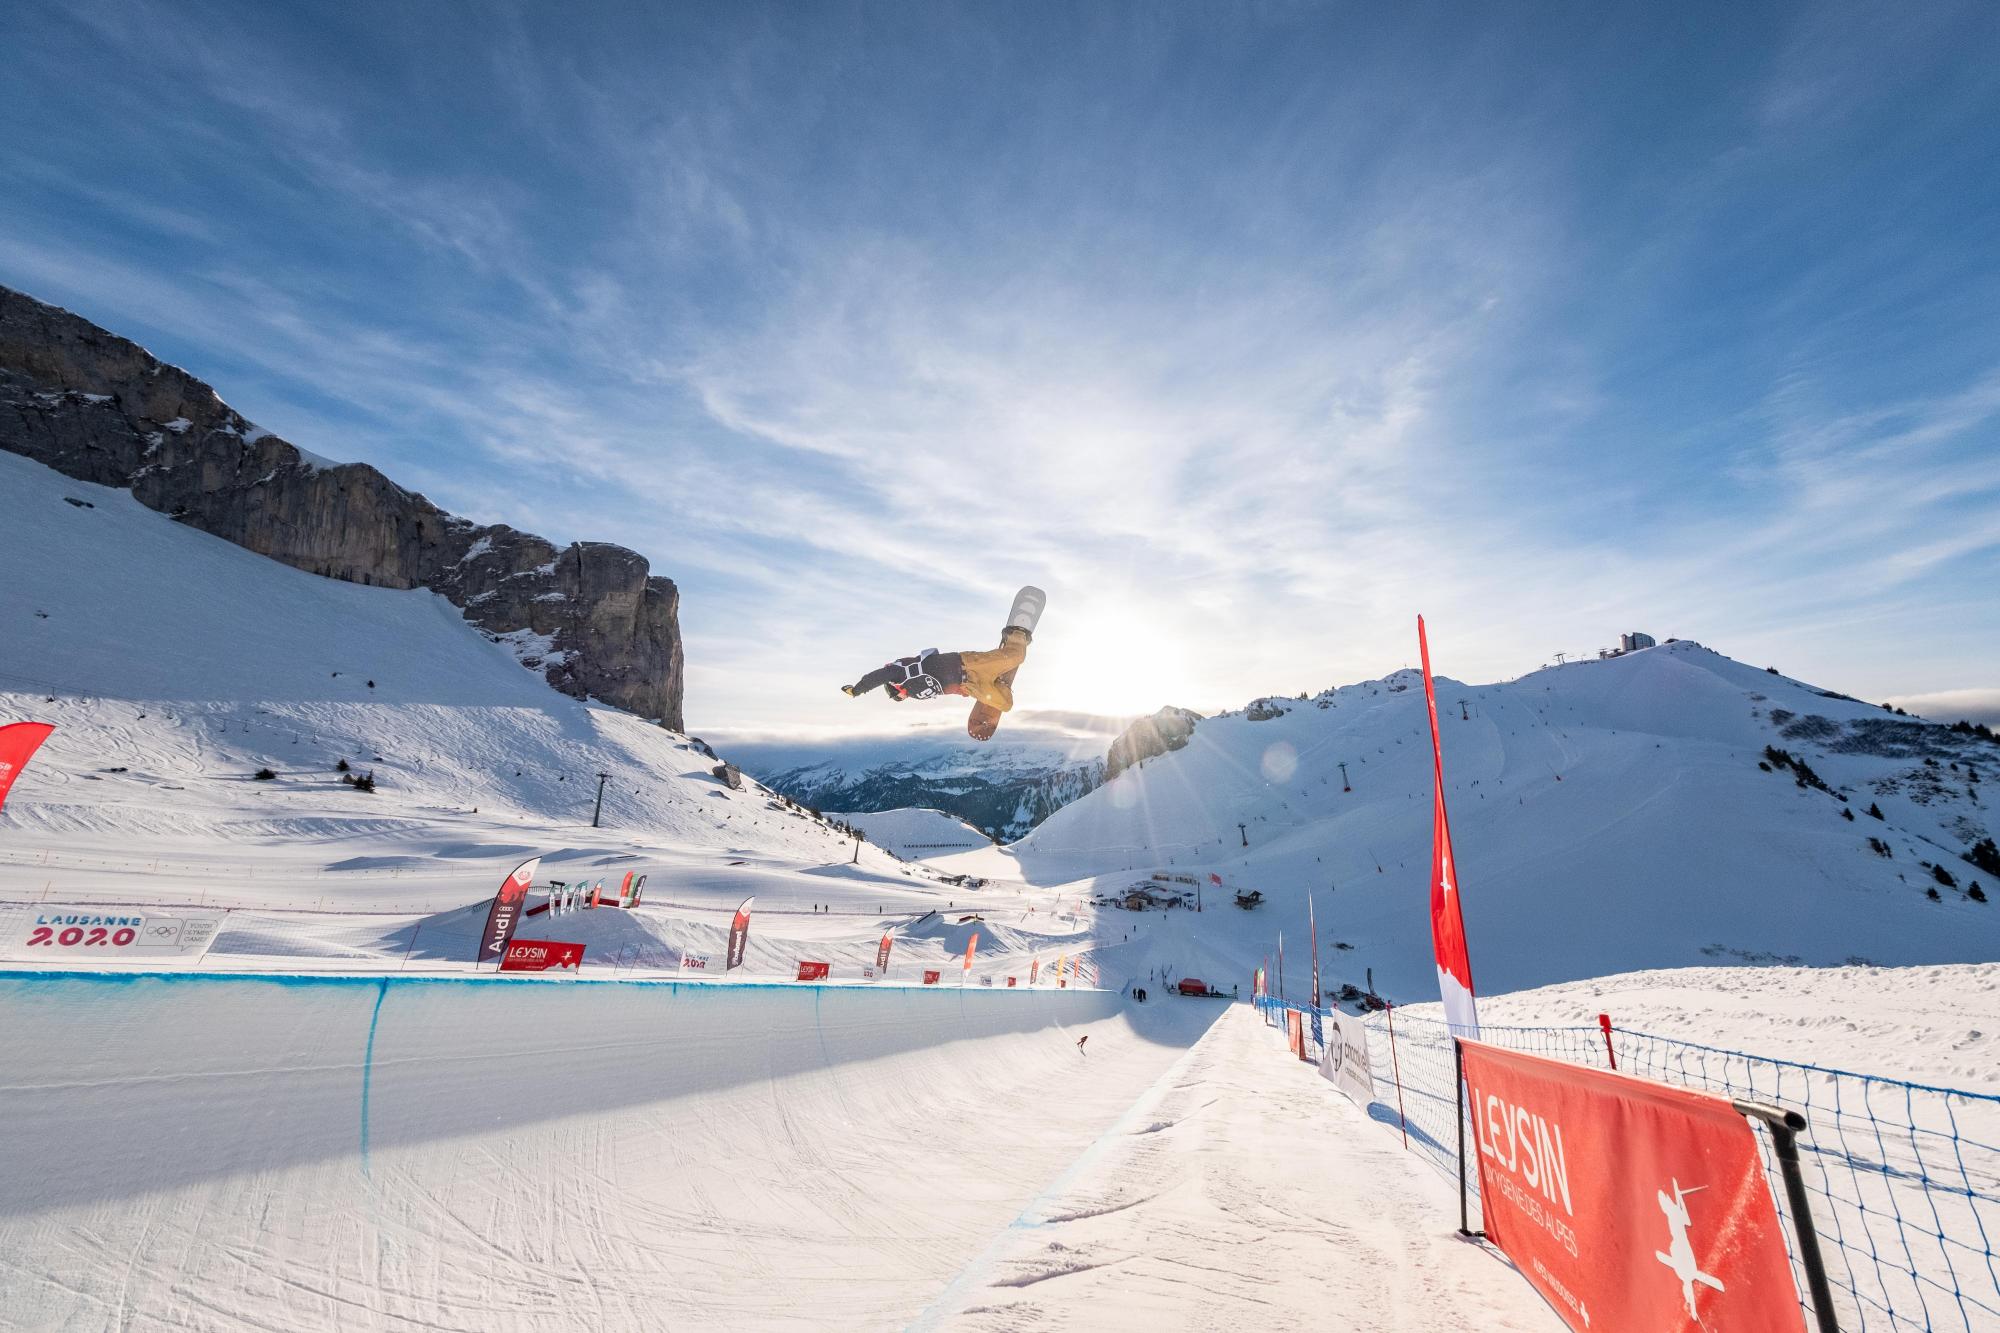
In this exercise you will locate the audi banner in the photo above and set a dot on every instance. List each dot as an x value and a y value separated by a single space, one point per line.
739 936
509 905
1629 1204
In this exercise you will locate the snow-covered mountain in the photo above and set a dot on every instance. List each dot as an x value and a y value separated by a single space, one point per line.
1004 787
177 666
1669 807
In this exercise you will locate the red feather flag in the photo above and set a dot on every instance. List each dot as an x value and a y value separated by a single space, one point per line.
1454 963
18 743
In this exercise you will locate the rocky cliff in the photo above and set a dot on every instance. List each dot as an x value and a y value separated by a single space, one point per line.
1165 730
97 407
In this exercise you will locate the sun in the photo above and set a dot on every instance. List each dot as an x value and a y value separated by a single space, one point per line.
1108 661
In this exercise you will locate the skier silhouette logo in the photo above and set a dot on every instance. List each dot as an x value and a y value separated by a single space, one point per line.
1680 1251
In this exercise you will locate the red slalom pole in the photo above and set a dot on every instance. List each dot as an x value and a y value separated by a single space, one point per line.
1604 1021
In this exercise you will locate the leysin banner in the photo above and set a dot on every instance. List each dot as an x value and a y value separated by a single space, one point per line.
1629 1204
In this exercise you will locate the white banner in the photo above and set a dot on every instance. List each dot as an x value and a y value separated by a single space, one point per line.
694 962
92 934
1345 1063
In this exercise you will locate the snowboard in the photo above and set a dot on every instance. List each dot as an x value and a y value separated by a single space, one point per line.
1026 613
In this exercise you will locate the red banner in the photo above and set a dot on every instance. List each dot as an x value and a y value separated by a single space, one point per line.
739 936
1034 970
882 955
814 971
1629 1204
1454 962
504 918
970 945
1010 981
931 976
1295 1032
18 743
540 955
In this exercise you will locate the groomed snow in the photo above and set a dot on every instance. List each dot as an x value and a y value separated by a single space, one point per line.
490 1156
1242 1190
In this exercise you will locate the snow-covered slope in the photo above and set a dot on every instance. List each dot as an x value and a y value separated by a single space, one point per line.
917 835
176 665
1607 815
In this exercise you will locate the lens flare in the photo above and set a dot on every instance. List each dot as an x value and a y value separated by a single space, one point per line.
1280 761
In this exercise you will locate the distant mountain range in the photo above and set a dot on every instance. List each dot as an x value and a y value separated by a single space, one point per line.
1003 788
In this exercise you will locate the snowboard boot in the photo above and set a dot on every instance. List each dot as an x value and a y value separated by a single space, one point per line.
848 690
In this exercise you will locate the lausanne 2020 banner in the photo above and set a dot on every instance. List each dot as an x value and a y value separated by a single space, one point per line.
1629 1204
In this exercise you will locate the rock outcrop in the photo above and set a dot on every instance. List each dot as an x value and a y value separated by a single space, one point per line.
1165 730
590 617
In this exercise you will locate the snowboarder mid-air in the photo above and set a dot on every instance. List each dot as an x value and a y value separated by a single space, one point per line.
985 677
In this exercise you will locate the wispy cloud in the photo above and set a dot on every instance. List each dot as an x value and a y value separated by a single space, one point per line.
1247 339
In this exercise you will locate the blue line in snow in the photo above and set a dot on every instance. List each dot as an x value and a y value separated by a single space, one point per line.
368 1068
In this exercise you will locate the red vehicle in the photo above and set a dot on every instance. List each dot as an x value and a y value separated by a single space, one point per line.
1192 986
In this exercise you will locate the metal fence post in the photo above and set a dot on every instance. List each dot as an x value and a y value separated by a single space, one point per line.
1458 1064
1785 1126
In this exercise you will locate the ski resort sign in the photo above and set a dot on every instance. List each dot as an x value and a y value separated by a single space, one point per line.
91 934
1628 1204
541 955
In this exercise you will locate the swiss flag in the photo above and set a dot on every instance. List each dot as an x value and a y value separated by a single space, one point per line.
1454 961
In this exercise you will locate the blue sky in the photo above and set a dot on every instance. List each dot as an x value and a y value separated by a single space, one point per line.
1248 331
